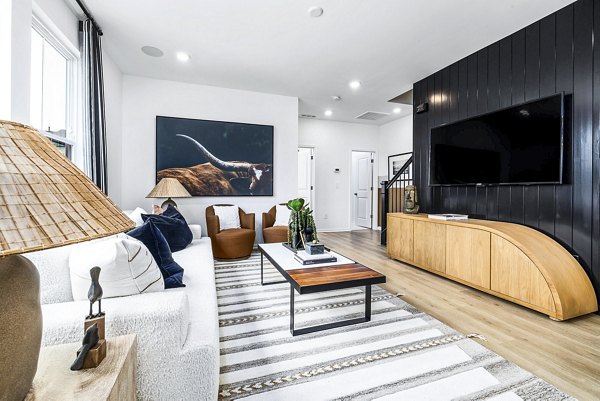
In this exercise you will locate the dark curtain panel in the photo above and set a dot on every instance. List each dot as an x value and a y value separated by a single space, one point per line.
94 123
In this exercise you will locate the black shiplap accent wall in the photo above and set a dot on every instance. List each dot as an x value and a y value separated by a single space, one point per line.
555 54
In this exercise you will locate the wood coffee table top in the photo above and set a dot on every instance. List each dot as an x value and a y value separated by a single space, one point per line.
316 278
333 274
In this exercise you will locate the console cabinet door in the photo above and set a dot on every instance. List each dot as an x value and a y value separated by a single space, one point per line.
515 275
468 255
430 246
400 238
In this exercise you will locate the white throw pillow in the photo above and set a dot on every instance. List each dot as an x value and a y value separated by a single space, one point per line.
196 230
136 216
229 217
128 268
282 215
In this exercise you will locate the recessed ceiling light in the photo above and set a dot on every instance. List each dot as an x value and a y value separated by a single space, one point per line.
183 57
152 51
328 113
354 84
315 12
397 110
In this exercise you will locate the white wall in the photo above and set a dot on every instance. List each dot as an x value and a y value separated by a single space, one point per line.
5 62
15 42
58 13
113 105
334 142
15 48
394 137
144 99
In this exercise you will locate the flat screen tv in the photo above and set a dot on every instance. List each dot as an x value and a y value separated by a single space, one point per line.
519 145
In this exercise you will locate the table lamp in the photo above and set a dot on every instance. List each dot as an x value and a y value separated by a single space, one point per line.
169 188
45 202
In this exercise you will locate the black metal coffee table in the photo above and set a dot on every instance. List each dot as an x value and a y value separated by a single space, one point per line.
319 278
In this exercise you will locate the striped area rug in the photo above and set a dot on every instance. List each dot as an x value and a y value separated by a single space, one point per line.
401 354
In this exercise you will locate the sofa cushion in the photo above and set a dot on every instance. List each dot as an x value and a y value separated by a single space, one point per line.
275 234
136 215
178 330
235 235
151 236
53 266
173 227
229 217
196 230
128 268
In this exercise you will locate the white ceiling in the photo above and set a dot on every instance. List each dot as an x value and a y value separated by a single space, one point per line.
273 46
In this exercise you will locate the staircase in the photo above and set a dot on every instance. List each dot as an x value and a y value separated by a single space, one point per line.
392 194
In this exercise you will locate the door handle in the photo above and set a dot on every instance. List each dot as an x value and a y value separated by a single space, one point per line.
355 194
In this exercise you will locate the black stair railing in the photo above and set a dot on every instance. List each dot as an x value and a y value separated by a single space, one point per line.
392 194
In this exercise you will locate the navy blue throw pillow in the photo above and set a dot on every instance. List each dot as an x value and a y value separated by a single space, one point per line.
173 226
156 243
171 211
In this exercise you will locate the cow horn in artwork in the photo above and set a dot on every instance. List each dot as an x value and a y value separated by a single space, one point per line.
225 166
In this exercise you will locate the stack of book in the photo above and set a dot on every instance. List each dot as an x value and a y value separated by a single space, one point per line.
449 216
306 259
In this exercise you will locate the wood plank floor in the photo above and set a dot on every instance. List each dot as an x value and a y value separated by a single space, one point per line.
566 354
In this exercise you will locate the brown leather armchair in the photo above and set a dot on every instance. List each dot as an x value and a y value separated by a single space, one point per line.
271 233
234 243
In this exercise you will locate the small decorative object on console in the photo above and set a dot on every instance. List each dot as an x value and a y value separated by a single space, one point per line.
314 248
95 292
449 216
411 200
90 339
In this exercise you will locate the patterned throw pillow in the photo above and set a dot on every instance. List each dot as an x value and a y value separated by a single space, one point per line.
128 268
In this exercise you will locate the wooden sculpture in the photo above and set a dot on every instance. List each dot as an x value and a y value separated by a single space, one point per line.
93 350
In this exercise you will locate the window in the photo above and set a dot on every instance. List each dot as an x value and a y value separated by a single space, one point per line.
53 79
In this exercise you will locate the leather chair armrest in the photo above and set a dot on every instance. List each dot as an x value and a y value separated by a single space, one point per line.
212 225
247 220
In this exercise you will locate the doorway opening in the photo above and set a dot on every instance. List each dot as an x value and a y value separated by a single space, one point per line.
362 190
306 175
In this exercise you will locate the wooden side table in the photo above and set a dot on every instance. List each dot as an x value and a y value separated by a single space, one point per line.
113 380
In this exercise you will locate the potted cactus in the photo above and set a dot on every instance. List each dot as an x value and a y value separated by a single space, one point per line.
301 227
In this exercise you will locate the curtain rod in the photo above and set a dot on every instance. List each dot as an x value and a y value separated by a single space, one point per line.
88 14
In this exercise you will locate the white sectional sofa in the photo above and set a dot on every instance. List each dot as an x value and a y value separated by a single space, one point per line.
177 330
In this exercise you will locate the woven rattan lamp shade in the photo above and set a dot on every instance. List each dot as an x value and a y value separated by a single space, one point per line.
169 188
45 200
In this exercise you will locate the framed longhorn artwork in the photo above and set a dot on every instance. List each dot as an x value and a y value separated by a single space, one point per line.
215 158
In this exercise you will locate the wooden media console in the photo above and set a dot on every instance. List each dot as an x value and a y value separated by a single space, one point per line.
510 261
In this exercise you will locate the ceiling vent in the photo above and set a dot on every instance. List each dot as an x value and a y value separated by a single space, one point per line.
307 116
372 115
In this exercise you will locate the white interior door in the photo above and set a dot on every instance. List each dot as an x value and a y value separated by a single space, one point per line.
362 174
305 175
